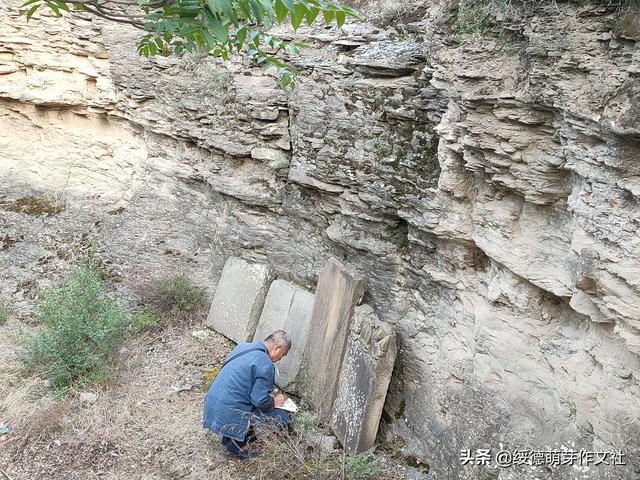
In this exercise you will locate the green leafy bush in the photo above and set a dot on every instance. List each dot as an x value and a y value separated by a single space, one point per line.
178 296
82 330
144 321
474 17
361 467
305 420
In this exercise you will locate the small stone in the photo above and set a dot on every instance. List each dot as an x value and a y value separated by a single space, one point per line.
181 388
88 397
321 442
200 335
279 163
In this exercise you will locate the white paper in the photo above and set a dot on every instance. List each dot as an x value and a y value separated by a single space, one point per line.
289 406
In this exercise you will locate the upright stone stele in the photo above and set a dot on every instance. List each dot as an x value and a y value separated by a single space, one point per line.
287 307
364 380
239 299
337 294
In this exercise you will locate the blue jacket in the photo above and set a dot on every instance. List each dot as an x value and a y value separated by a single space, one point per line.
241 389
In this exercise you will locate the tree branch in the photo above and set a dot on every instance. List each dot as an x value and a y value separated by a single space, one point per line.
112 18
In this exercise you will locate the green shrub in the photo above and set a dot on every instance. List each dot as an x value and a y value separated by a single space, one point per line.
142 321
361 467
5 312
178 296
474 17
82 330
305 420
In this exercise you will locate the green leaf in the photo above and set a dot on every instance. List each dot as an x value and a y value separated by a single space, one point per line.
256 9
220 7
211 41
267 5
340 18
218 29
62 5
29 2
245 9
31 11
281 10
298 15
214 6
328 15
312 14
241 35
54 7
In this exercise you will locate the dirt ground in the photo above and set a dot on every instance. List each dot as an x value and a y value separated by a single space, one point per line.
145 425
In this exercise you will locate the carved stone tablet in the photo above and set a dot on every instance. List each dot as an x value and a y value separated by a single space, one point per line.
287 307
364 380
239 299
337 294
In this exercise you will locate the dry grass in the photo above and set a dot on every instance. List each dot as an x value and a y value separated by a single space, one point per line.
139 427
389 13
301 456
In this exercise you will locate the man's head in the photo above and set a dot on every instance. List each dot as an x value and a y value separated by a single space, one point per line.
278 345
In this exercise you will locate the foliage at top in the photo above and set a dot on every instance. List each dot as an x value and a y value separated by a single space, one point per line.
220 27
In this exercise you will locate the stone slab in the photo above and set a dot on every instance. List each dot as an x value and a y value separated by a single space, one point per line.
239 298
364 380
287 307
337 293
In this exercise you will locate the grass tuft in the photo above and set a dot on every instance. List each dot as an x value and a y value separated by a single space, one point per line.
5 312
178 296
301 455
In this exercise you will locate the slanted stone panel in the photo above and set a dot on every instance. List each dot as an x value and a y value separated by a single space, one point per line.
364 380
287 307
239 299
337 293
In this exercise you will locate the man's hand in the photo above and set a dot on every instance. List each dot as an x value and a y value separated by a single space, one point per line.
279 400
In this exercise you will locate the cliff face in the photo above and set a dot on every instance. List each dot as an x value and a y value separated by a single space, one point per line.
488 193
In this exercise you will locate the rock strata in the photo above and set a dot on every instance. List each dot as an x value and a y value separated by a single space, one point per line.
485 184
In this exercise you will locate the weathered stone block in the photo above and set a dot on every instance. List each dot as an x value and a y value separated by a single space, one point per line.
239 299
287 308
337 293
364 380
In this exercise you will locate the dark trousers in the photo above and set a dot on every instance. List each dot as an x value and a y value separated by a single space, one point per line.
277 417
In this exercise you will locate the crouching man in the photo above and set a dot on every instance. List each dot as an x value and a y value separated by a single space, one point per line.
239 398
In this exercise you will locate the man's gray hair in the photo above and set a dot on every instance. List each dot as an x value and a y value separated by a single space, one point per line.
280 337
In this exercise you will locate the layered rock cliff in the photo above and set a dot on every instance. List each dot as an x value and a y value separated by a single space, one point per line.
486 187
